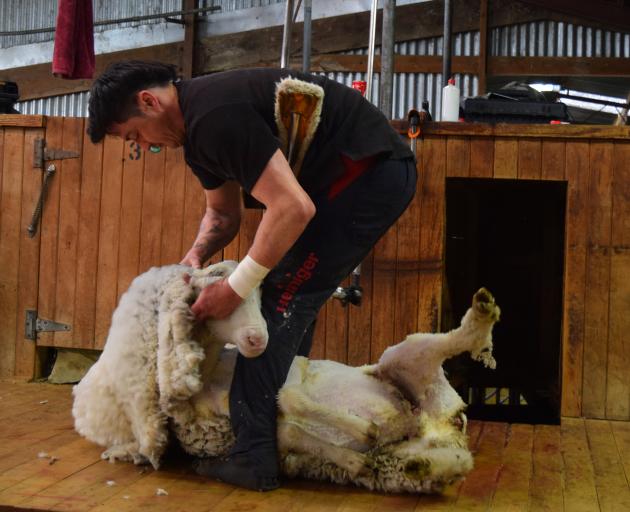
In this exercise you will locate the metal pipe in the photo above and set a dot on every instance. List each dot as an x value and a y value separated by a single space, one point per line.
446 50
372 43
296 10
593 100
286 35
353 293
387 58
306 45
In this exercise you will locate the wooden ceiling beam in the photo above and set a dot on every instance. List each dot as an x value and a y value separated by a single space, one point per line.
496 66
558 66
402 63
347 32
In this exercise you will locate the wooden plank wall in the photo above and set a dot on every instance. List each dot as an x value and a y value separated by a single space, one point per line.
595 344
19 255
113 213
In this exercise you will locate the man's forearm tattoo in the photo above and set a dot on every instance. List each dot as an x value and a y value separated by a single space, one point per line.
201 245
212 236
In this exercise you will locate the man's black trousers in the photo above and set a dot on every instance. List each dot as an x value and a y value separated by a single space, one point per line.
340 235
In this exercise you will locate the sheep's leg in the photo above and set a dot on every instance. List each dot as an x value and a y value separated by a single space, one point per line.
427 351
292 438
293 402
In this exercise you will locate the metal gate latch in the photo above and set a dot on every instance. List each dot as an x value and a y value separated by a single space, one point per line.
35 325
32 227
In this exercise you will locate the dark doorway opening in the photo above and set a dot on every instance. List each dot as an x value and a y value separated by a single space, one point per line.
508 236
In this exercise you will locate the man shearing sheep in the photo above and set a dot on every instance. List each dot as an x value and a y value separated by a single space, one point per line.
352 179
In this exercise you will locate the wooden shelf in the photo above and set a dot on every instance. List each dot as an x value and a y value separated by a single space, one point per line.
20 121
563 131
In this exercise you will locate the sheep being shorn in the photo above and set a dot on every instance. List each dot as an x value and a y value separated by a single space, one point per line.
394 426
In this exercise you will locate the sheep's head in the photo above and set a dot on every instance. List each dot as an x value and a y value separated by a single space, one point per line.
245 327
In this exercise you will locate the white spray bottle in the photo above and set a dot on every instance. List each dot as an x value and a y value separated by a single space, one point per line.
450 101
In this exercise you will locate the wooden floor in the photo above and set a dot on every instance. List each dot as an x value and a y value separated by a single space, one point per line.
44 464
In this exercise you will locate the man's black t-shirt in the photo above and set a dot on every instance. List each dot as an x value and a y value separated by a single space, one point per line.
231 131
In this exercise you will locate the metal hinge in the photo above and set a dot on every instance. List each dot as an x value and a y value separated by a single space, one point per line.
41 154
34 324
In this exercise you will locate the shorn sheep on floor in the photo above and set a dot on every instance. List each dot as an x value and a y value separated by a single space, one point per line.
393 426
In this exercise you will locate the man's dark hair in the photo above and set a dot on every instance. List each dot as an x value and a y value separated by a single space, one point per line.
113 94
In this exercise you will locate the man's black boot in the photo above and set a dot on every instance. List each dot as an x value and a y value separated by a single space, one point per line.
257 474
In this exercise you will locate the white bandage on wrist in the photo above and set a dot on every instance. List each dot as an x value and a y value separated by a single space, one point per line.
246 276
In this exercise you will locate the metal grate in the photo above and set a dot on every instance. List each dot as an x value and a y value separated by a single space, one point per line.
494 396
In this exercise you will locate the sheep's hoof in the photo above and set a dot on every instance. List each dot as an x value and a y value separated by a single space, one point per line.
460 421
484 304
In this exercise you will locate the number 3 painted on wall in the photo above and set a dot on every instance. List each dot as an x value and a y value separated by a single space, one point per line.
136 151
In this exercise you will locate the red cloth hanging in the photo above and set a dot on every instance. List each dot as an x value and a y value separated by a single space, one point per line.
73 56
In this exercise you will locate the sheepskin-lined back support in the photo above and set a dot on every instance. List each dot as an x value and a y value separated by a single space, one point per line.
298 109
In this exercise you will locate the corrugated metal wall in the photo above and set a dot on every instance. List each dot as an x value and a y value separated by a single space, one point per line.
30 14
557 39
26 15
67 105
531 39
410 89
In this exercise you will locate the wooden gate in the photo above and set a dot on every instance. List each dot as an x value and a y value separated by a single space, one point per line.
111 214
19 254
108 215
